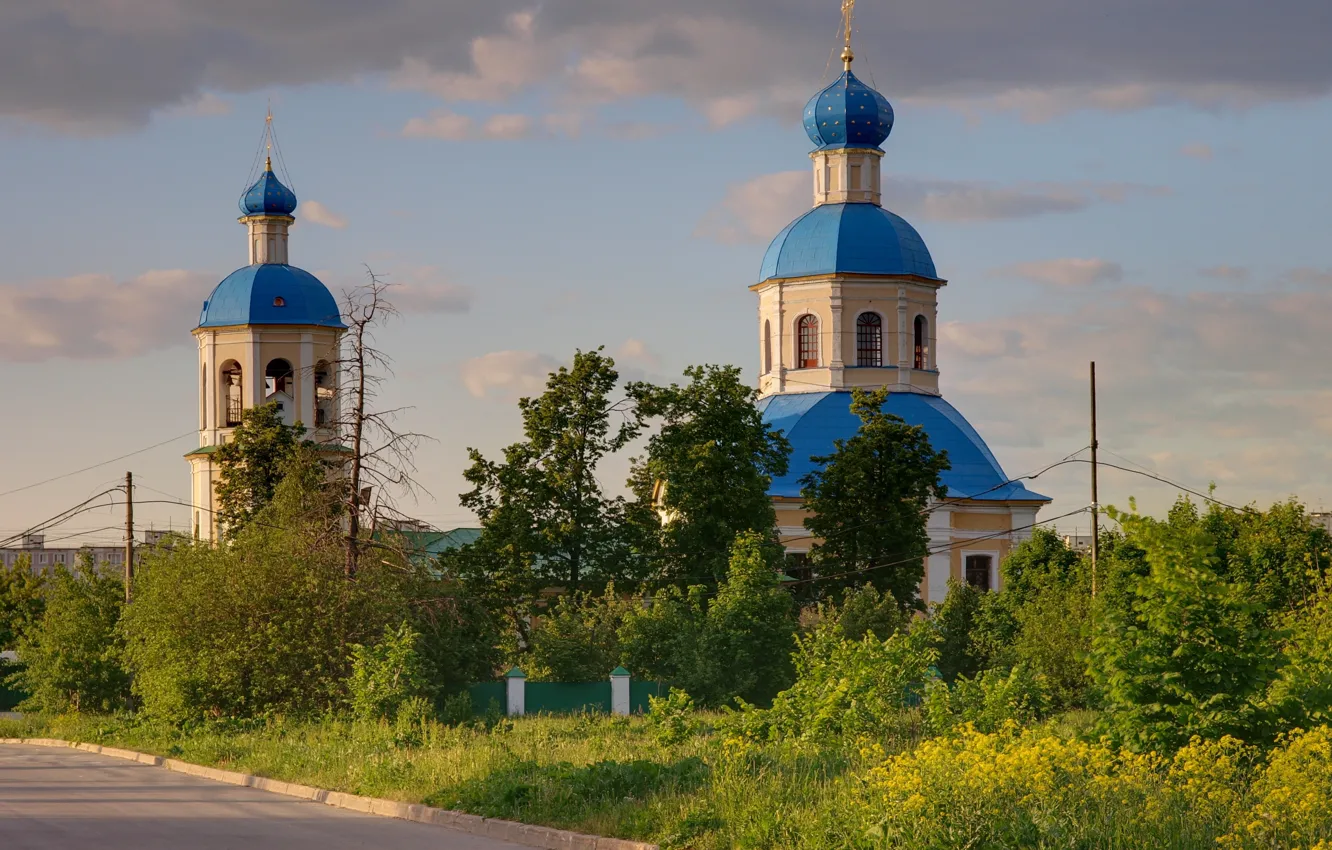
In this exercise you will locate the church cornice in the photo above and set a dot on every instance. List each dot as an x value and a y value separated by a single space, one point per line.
851 279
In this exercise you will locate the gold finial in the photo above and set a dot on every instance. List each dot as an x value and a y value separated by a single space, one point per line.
848 17
268 164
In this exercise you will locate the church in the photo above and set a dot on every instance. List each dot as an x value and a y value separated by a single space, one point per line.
847 297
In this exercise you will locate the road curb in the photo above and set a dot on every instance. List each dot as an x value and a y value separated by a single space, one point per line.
515 833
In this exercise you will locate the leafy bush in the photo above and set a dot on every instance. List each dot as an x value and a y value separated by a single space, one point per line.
867 611
673 717
989 702
661 639
974 630
1190 653
1053 641
386 675
74 658
577 639
264 624
845 689
1301 695
22 600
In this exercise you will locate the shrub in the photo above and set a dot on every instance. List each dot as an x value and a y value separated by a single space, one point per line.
660 640
264 624
974 630
846 689
988 702
22 601
386 675
577 639
74 658
867 611
1189 653
673 717
1053 640
1301 696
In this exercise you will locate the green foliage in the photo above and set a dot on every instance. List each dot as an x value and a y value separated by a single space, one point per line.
1301 696
974 630
989 702
673 717
660 641
263 624
460 634
846 689
1039 563
252 464
21 601
715 456
386 675
750 627
1054 642
73 660
546 520
1191 653
867 611
577 639
868 501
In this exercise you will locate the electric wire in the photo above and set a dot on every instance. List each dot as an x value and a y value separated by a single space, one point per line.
97 465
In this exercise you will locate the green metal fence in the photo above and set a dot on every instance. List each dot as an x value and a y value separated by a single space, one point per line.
568 698
640 691
485 693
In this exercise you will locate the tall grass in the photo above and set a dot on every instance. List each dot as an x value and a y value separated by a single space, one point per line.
1051 786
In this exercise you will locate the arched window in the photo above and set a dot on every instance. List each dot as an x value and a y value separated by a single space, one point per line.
869 340
231 394
277 378
807 342
767 347
203 395
979 570
922 343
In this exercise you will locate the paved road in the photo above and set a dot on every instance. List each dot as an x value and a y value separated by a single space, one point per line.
53 799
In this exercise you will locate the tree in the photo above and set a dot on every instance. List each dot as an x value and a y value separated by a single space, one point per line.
707 470
1190 653
867 502
749 632
267 622
544 515
252 464
73 660
21 601
378 460
577 638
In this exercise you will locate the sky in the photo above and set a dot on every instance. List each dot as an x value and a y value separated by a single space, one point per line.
1131 182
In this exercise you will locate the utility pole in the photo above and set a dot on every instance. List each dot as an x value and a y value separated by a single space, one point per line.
129 533
1096 502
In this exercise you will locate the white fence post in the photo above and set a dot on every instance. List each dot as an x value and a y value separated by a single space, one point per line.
619 681
516 684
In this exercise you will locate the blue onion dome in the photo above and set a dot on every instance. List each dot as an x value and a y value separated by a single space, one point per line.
848 239
268 196
848 114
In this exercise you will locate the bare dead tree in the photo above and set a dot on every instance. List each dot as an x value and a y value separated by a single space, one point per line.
378 464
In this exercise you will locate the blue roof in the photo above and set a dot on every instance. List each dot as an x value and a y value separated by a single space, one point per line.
270 294
848 114
812 421
268 196
850 238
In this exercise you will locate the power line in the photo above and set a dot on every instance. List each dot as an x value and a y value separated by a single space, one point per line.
96 465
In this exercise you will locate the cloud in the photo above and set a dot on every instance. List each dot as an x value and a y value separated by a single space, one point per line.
97 316
757 209
1200 385
1309 277
205 104
421 290
1235 273
508 127
1197 150
638 351
440 124
99 65
316 213
1069 271
507 374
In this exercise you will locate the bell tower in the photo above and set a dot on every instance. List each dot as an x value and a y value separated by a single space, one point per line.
268 333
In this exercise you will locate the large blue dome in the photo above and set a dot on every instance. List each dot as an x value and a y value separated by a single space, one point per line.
812 421
848 114
268 196
847 238
270 294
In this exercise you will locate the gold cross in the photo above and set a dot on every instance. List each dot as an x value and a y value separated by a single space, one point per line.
848 17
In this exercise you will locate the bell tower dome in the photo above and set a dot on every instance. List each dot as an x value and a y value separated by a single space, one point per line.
268 333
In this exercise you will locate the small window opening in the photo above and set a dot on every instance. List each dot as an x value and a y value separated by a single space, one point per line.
978 571
767 347
279 301
325 395
807 342
277 378
869 340
231 393
922 343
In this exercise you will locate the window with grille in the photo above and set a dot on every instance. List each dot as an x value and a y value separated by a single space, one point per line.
807 341
978 571
922 343
869 340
